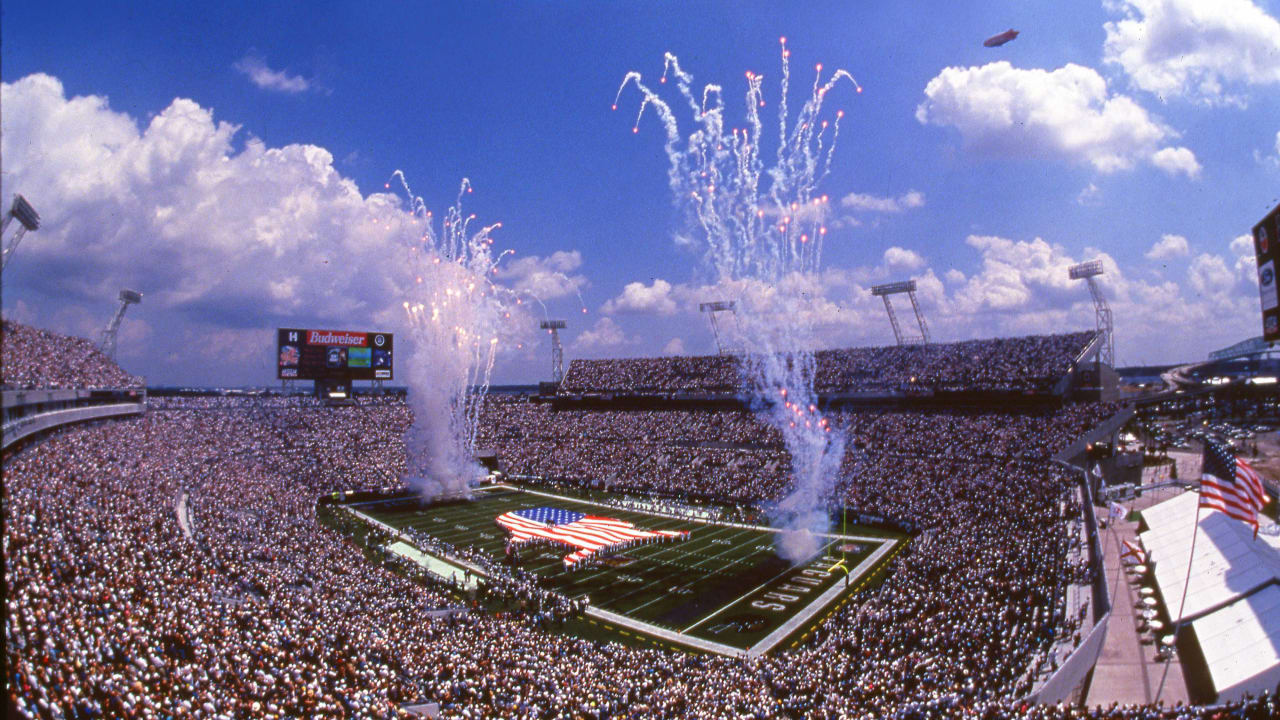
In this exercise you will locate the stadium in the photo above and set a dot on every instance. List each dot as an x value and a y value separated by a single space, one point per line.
214 555
881 381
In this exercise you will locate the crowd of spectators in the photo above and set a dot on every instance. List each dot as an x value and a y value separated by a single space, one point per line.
262 611
39 359
1032 363
733 456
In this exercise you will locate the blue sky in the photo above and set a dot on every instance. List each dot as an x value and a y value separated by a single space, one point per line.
1146 132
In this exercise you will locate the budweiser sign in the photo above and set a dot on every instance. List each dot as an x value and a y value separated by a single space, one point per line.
336 337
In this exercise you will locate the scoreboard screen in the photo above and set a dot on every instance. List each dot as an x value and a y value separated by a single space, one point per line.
333 355
1266 237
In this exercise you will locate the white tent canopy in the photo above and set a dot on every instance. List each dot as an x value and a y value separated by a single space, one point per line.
1233 597
1229 563
1241 644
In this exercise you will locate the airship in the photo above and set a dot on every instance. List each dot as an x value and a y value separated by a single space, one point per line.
1002 38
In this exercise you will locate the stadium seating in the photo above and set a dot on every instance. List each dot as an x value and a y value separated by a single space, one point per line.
264 612
1000 364
33 358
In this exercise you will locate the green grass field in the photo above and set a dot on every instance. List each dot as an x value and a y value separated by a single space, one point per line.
723 590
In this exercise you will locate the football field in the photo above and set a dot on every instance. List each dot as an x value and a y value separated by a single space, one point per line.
723 590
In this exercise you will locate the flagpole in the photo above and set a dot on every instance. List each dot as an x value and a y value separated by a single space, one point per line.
1182 605
1115 587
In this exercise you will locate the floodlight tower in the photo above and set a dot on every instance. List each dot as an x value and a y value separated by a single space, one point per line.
127 298
1088 271
908 287
712 309
28 220
557 352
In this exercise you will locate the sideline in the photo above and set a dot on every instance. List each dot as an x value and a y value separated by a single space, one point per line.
434 565
406 540
823 600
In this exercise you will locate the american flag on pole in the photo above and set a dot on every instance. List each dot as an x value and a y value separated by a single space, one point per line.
1227 483
590 534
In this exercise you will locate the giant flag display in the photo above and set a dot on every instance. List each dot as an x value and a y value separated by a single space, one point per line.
1229 484
590 534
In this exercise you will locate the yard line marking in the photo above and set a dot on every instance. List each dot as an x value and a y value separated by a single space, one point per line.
732 548
749 592
806 614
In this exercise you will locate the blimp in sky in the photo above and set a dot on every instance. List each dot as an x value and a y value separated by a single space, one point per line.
1002 38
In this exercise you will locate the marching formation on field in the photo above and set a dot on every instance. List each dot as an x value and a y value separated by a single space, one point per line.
262 612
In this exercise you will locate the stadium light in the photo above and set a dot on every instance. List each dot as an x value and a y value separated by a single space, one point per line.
713 309
108 344
28 220
896 288
1087 271
557 351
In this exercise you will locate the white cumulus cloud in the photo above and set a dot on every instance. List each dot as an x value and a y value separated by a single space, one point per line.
1207 51
639 298
1090 195
1209 275
255 68
546 278
1175 160
1068 114
223 242
1168 246
604 335
873 203
898 259
1023 288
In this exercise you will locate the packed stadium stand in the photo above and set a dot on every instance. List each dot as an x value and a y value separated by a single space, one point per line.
48 380
173 564
34 358
1001 364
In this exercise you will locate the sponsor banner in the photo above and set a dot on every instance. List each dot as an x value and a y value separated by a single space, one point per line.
1266 236
337 337
334 355
1267 285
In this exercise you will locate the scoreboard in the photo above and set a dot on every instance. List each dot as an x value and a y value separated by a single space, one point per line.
1266 237
333 355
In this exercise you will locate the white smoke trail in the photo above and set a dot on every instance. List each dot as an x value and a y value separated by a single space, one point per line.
455 317
762 240
458 318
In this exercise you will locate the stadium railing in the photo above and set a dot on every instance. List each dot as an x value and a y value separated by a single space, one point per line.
29 412
1072 673
1075 451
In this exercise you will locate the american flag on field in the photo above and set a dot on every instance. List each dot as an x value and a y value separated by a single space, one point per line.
1229 484
590 534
